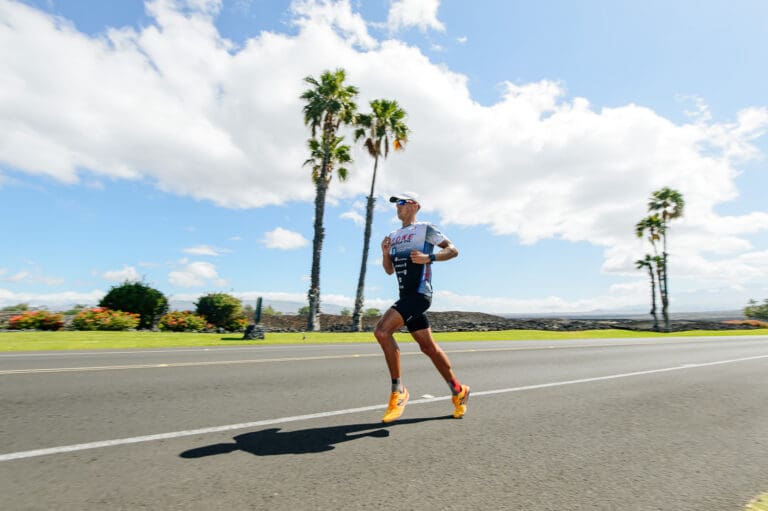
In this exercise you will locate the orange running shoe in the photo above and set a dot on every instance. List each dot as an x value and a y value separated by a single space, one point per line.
397 401
460 402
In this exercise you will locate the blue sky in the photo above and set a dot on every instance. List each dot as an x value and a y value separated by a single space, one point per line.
163 141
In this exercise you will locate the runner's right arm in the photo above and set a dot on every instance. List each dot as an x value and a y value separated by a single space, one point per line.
386 255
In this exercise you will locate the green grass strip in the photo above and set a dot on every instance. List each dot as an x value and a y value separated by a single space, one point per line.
38 341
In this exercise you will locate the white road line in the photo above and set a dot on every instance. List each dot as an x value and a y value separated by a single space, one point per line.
320 415
7 372
180 364
103 352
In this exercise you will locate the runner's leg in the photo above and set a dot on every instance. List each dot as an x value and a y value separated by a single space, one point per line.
390 323
439 358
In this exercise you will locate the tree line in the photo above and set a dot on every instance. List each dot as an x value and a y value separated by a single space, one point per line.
329 105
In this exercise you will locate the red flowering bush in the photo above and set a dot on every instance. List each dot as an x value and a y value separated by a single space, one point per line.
101 318
748 322
237 324
37 320
182 321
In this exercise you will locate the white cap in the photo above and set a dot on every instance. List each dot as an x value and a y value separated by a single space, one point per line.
405 196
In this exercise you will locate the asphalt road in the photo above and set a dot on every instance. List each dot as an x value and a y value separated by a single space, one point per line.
613 424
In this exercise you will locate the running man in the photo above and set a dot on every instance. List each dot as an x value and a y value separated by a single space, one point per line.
409 252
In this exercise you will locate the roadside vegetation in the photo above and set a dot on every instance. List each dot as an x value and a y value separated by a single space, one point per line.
756 311
137 306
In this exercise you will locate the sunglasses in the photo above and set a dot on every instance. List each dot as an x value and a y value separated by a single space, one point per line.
403 202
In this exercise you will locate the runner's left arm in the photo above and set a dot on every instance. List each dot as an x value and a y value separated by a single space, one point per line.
447 251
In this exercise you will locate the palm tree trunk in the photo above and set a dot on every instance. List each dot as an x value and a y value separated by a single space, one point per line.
662 291
357 316
321 187
653 298
665 292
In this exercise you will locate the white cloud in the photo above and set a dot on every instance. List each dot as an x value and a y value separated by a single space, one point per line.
33 276
414 13
337 14
196 274
126 273
204 250
18 276
173 102
356 217
284 239
462 39
210 7
53 300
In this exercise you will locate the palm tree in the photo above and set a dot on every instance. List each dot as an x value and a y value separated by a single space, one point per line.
338 154
648 263
329 104
668 204
384 122
653 225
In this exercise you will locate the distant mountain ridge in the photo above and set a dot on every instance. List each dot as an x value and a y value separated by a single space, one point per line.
608 314
292 307
289 307
282 306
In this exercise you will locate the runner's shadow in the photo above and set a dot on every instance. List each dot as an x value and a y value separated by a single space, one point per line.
270 442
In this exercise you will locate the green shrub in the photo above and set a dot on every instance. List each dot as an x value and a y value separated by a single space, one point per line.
757 311
371 313
101 318
221 310
137 297
37 320
182 321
